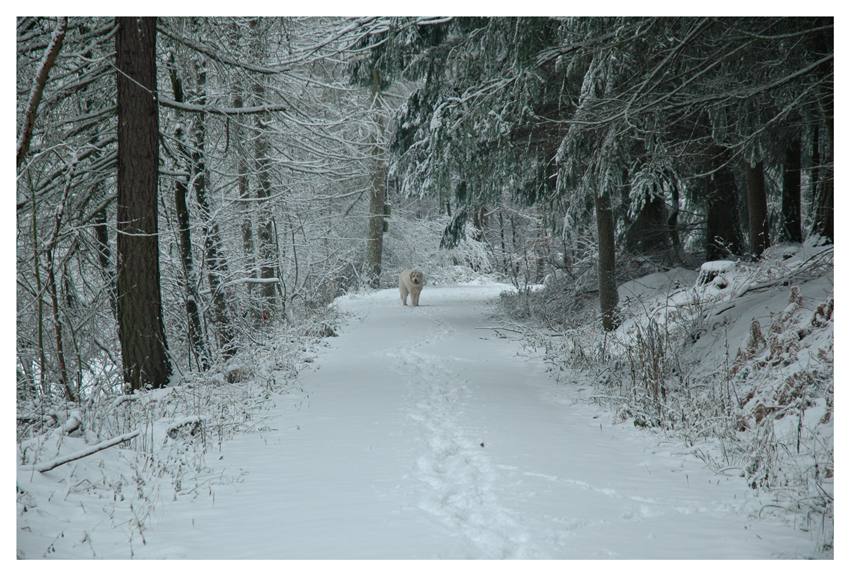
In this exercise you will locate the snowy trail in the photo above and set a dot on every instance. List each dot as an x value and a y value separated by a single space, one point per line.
422 434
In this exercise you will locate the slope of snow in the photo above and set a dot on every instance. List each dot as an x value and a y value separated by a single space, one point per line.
417 433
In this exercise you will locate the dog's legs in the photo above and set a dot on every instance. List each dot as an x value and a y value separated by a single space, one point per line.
414 298
403 293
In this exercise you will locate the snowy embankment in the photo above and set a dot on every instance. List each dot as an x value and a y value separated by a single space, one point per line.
417 433
735 361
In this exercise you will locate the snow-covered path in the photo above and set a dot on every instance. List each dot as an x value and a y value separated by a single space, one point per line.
420 433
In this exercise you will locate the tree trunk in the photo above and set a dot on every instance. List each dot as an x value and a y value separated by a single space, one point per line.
45 383
267 252
247 211
57 327
723 231
825 212
265 226
140 325
673 227
791 184
757 207
216 265
193 315
181 207
815 196
377 199
608 295
104 255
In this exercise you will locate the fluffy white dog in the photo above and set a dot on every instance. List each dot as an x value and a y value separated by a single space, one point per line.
411 282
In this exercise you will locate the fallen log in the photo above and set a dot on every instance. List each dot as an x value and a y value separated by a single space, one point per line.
44 467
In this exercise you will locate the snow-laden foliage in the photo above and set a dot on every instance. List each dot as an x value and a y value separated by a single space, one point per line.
412 242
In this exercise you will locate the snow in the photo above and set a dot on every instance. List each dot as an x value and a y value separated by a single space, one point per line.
417 433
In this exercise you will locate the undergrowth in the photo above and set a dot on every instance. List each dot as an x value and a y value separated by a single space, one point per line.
178 427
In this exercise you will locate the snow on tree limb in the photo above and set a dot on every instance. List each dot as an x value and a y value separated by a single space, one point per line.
210 109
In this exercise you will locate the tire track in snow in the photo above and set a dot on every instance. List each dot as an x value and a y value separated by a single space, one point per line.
456 473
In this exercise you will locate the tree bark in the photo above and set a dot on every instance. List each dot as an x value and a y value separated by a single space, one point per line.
608 294
757 207
140 325
791 185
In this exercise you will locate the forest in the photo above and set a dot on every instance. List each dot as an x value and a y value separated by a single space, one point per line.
194 193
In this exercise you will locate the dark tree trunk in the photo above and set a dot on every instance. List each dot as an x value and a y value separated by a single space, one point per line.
757 208
140 325
608 295
723 230
791 184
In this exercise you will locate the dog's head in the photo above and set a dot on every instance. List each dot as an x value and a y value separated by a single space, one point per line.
416 277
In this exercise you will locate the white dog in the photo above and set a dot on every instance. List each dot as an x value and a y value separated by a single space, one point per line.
411 282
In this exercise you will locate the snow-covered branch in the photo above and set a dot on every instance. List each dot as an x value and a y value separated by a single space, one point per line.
38 88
